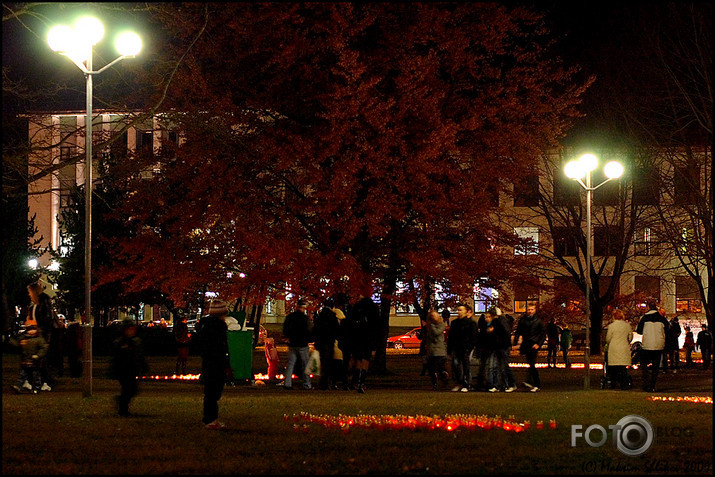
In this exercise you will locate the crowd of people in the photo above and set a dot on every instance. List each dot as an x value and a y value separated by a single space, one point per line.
346 333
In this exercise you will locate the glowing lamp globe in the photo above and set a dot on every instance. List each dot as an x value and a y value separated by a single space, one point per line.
574 170
589 162
128 44
32 263
613 170
60 38
90 30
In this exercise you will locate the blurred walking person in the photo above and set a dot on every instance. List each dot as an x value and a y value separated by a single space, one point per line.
182 337
42 313
361 331
325 331
127 364
296 328
461 340
552 342
531 330
566 341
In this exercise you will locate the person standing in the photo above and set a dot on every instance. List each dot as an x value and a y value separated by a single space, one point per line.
445 315
362 333
566 340
618 340
531 330
672 347
506 322
497 339
339 366
181 335
482 350
215 365
705 343
461 341
127 363
653 327
552 342
435 348
33 350
296 328
689 346
325 330
42 313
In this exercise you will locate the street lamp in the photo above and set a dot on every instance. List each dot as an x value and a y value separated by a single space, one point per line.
577 170
77 44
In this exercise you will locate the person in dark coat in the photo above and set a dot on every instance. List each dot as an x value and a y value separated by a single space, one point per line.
689 346
42 312
325 331
552 342
461 340
215 364
672 347
361 331
182 337
705 343
127 364
532 332
296 328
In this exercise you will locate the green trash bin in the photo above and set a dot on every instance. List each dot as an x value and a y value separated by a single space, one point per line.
240 348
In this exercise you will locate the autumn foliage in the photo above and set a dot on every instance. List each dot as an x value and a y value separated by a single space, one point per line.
339 147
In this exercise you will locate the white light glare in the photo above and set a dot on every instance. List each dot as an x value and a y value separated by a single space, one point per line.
128 44
574 170
60 38
54 266
90 30
589 162
32 263
613 170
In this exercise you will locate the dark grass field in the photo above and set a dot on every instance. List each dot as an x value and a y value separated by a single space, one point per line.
60 432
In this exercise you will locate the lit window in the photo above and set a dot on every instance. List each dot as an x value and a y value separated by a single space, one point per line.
530 240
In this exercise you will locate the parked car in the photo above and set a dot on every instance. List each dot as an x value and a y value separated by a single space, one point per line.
408 340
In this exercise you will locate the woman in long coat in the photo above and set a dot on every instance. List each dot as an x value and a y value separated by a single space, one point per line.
618 340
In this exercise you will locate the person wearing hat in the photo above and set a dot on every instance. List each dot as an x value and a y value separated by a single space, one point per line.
296 328
34 348
215 364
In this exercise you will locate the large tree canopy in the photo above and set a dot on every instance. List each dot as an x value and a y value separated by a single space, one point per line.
332 146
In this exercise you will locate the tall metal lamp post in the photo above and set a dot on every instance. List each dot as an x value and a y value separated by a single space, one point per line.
77 44
577 170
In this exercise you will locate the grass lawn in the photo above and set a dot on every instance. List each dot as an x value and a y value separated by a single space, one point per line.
60 432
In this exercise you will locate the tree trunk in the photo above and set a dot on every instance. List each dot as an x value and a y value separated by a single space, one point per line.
379 364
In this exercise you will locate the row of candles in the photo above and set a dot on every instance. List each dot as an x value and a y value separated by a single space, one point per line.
382 422
693 399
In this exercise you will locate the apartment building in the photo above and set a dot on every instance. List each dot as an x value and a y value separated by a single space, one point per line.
537 209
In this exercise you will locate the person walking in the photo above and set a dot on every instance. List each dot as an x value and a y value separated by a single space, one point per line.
33 349
215 364
705 343
689 346
653 327
531 330
42 313
339 365
566 341
618 340
127 363
552 342
325 331
461 341
362 332
296 328
498 339
182 338
503 349
435 348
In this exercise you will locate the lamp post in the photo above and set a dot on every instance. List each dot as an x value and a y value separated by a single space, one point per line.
77 44
577 170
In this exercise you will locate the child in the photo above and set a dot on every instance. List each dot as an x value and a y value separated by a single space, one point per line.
34 348
128 362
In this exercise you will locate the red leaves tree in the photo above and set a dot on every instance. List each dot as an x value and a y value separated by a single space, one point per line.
341 147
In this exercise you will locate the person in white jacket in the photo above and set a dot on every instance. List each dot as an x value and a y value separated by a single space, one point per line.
618 340
653 326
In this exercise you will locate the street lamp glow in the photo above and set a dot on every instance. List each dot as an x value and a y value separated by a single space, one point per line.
589 162
574 170
32 263
128 44
54 266
613 170
60 38
89 29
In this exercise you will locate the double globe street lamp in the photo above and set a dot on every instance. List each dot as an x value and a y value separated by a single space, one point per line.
77 44
578 170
